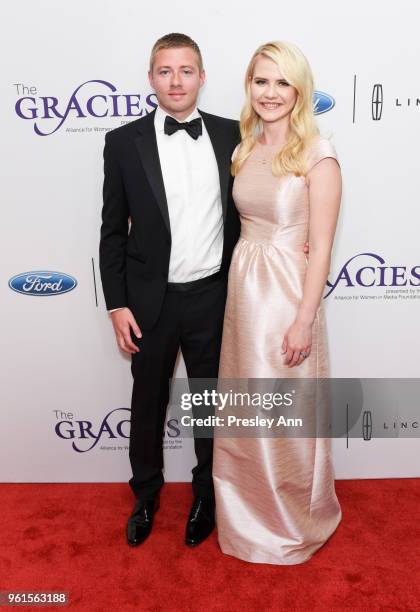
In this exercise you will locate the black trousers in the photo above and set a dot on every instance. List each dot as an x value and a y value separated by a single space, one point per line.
191 319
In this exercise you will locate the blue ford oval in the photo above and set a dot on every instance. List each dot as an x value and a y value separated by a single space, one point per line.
42 283
323 102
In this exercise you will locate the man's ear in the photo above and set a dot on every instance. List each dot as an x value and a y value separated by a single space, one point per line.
150 75
202 78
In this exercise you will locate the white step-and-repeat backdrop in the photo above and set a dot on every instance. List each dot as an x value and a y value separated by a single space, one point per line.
72 71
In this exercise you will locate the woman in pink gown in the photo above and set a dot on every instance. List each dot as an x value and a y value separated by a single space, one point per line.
275 497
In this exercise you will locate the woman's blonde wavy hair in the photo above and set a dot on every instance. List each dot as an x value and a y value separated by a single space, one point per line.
296 70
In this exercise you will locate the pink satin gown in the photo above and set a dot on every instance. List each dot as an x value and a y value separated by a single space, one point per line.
275 497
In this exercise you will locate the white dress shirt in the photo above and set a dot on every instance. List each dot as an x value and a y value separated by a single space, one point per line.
191 179
192 187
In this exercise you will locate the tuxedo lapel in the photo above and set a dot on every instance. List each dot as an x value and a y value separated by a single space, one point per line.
222 154
147 148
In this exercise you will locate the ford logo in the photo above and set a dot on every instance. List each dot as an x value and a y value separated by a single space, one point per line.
323 102
42 282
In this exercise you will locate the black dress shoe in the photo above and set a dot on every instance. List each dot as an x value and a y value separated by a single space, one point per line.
140 522
200 522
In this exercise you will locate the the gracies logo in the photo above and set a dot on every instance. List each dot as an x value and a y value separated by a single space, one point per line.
85 101
84 436
375 274
42 283
115 426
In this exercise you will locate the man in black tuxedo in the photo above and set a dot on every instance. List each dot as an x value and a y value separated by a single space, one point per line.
165 276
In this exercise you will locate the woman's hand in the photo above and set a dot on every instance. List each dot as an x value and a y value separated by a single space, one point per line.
297 340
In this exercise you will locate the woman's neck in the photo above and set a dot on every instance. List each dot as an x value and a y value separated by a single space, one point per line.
275 133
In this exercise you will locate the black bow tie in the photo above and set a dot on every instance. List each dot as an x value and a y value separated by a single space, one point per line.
193 128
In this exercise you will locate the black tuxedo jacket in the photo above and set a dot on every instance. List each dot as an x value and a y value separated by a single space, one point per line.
134 259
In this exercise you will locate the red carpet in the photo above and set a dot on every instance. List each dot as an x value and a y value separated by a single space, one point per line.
71 537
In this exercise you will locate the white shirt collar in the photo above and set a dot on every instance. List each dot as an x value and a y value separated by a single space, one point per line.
161 114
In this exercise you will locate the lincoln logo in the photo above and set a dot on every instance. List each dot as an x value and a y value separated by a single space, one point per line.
377 101
367 425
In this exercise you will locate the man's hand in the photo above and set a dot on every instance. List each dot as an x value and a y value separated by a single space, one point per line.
123 321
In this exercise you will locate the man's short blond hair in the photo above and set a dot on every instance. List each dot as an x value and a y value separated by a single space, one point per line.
174 41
